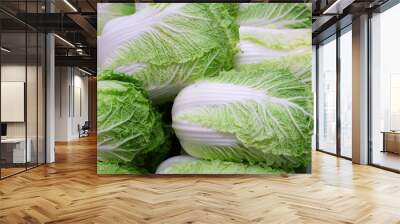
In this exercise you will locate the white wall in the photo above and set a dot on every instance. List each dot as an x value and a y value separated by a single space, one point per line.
62 82
70 83
13 101
79 117
12 73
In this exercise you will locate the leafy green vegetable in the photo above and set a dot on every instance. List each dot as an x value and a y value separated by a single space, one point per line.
233 9
275 15
109 11
298 65
256 119
168 46
114 168
190 165
130 131
270 31
260 116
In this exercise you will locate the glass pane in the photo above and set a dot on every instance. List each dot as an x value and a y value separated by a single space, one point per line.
386 89
31 87
31 97
22 89
13 86
327 97
346 94
41 99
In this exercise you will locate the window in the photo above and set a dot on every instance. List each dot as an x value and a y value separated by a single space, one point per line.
346 92
327 96
385 89
22 77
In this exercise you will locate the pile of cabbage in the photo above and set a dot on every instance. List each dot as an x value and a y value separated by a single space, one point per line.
219 88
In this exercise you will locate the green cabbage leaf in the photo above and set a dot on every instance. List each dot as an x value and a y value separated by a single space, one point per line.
110 11
270 31
190 165
130 131
262 115
168 46
115 168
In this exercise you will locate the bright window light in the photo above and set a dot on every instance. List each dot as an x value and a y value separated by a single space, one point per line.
5 50
84 71
64 40
70 5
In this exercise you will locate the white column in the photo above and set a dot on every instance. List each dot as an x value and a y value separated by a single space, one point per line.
50 100
360 90
50 92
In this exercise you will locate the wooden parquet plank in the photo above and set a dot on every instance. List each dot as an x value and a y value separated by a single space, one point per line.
70 191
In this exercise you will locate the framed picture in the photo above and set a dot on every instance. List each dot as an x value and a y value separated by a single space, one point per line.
194 88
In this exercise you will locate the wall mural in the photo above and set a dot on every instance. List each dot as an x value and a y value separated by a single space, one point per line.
221 88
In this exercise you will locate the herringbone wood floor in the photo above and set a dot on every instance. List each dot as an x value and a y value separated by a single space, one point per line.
69 191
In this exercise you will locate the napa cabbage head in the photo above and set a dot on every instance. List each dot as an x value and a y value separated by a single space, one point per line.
110 11
190 165
257 116
270 30
118 168
168 46
130 131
